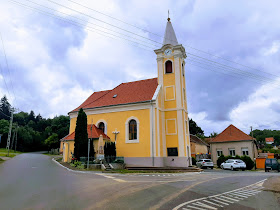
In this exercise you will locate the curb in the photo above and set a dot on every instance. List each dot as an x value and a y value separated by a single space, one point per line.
76 171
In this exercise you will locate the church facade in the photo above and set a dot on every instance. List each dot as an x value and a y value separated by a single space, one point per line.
147 119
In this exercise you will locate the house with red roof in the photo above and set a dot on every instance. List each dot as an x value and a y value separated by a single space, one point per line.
147 119
269 140
233 141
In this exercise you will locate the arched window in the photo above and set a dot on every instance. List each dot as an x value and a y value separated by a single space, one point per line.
101 126
132 130
168 67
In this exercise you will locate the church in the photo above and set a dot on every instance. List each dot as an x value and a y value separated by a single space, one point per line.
147 119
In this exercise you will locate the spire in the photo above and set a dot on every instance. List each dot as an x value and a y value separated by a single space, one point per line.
169 36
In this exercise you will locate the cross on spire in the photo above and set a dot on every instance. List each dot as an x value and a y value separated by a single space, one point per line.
168 16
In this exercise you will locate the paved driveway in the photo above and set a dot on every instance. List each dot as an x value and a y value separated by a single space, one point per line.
34 181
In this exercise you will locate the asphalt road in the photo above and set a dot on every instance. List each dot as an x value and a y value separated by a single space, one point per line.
34 181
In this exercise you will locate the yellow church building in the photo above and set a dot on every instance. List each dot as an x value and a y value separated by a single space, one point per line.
148 119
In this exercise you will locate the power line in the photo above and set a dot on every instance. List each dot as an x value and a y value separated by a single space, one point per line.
92 23
8 66
78 24
99 20
219 57
5 80
235 71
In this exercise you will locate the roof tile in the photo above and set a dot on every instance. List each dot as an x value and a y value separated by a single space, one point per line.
96 132
231 133
130 92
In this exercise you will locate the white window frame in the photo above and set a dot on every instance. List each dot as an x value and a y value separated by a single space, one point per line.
219 151
245 149
127 130
165 67
232 149
105 124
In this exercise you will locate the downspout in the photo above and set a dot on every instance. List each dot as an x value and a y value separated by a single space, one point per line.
153 155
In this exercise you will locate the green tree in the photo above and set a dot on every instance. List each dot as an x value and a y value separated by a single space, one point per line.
5 108
81 136
52 142
214 134
4 129
195 129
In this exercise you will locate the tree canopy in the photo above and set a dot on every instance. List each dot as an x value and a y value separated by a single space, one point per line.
35 132
195 129
81 136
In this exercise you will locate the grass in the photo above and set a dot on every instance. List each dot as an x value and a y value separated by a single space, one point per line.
12 153
51 154
1 161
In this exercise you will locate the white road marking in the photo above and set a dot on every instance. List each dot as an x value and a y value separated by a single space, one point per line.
214 199
203 205
193 207
212 203
228 198
223 199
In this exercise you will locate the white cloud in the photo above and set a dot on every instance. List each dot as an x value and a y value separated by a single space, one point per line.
273 49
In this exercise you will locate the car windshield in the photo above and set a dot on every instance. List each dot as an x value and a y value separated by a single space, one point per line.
239 161
207 161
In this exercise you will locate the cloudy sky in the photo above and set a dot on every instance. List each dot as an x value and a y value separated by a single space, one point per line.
59 52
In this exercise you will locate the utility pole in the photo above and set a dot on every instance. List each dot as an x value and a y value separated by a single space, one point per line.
13 139
16 140
15 133
10 130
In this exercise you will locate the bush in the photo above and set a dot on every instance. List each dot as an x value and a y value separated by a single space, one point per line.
220 160
118 161
193 161
249 162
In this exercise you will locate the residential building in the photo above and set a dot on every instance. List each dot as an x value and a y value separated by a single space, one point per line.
198 146
147 119
233 141
269 140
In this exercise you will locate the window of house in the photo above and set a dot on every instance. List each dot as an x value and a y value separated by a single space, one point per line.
101 126
245 151
232 152
168 67
184 92
173 151
183 69
219 153
132 130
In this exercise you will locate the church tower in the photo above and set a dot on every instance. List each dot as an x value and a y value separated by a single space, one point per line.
173 100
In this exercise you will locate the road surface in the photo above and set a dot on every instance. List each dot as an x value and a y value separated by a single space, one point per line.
35 181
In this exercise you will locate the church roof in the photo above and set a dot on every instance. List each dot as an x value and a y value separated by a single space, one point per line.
96 132
231 133
169 36
130 92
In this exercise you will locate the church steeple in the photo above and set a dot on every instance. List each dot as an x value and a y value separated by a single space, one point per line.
169 36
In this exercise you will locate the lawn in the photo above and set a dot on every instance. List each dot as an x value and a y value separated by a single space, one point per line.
4 152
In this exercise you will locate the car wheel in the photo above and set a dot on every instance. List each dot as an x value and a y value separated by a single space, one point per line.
211 167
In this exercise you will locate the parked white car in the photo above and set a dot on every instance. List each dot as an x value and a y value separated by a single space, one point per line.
205 163
233 164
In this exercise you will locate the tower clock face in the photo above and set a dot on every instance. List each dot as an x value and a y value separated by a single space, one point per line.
167 52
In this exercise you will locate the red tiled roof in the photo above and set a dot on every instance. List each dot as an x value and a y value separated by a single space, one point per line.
96 132
130 92
270 139
231 133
